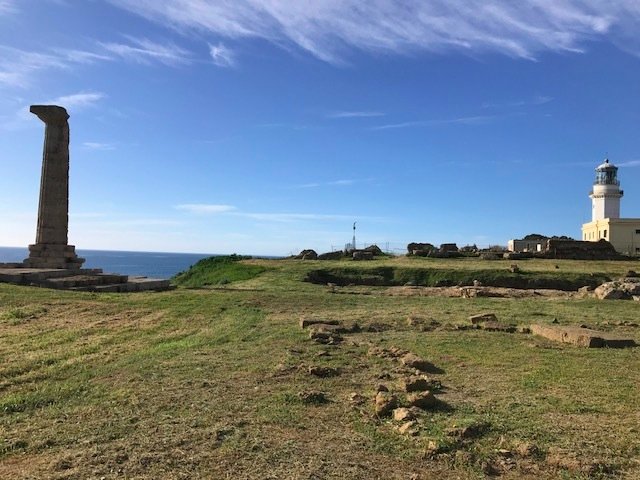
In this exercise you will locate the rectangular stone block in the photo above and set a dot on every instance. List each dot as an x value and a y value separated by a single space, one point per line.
582 337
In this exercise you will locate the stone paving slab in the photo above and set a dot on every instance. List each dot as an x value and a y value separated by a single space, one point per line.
133 284
25 276
582 337
86 280
92 280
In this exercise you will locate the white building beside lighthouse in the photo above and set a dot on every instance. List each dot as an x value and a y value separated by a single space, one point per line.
622 233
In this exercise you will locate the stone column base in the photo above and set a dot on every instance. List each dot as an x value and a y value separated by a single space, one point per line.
44 255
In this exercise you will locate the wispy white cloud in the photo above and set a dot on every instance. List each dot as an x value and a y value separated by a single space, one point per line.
18 67
78 100
98 146
342 182
291 126
81 56
629 163
125 223
334 183
536 100
74 102
205 208
8 6
472 120
295 217
330 29
222 56
356 114
146 52
279 217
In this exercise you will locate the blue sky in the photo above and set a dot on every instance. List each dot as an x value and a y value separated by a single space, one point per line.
266 127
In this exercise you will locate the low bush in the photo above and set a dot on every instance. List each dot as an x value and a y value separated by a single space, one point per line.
218 271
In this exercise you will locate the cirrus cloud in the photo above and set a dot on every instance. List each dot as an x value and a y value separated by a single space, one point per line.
330 29
204 208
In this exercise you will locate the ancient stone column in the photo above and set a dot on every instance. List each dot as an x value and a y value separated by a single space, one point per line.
51 249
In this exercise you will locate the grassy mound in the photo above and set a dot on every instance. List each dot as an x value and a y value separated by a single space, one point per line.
396 276
218 271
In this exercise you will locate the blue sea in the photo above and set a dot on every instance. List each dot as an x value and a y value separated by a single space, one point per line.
149 264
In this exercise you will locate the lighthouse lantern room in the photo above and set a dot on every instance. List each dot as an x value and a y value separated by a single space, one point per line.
605 194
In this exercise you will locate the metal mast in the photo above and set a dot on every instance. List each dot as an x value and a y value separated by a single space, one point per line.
353 243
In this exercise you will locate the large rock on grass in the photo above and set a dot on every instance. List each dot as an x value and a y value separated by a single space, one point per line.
623 289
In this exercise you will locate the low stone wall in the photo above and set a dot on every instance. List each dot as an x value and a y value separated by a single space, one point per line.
579 250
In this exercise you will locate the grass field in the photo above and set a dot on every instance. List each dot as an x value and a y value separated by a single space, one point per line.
206 382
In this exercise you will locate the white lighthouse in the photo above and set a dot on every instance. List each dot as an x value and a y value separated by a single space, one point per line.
605 194
606 224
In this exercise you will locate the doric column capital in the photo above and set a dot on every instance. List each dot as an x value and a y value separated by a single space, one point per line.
50 114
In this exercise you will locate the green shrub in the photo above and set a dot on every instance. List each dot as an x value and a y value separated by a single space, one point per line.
218 271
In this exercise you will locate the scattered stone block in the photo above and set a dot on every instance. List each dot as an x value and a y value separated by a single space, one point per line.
408 428
414 361
313 397
421 323
483 317
424 400
497 327
323 372
307 322
356 398
433 448
582 337
419 384
470 431
325 338
403 414
385 402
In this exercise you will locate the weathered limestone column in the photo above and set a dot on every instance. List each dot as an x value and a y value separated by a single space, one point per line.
51 249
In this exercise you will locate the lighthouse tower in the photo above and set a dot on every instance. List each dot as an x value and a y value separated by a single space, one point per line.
605 194
606 224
